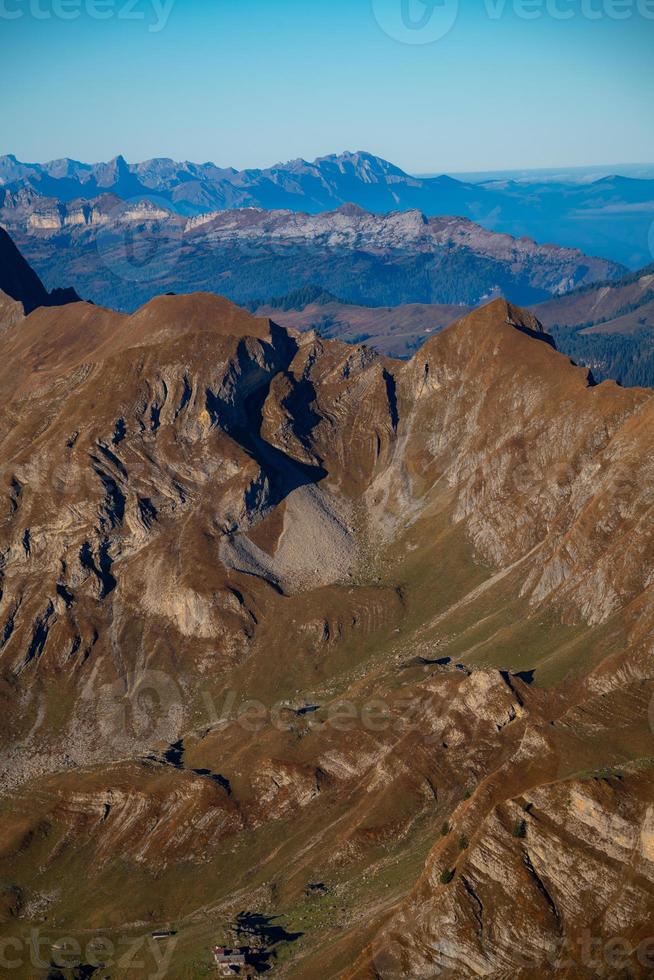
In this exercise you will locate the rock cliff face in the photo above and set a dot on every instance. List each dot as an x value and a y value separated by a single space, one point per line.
535 868
104 211
556 269
400 257
20 284
293 628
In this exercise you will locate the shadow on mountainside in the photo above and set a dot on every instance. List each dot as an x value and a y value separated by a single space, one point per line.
282 473
258 928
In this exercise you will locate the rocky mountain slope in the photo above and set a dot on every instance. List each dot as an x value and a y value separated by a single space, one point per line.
122 254
302 645
610 216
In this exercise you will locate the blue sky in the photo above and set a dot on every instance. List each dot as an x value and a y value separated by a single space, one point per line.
251 82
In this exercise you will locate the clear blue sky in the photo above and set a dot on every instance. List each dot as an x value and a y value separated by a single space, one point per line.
251 82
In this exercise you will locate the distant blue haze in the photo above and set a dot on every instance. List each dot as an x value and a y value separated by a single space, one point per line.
250 82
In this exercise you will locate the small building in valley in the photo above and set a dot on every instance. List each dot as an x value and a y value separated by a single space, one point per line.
232 962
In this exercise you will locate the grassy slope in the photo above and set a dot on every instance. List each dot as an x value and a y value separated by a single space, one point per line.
442 615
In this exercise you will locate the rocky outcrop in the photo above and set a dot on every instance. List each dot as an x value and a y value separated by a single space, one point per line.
19 282
557 880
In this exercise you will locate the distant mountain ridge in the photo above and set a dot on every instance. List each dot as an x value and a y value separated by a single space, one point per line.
602 304
395 331
608 326
195 188
245 253
610 216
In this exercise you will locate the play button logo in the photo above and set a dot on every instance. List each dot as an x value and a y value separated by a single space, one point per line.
416 21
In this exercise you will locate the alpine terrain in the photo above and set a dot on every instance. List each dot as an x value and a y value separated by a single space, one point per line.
342 660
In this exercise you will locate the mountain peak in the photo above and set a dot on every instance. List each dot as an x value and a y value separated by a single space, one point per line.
17 278
351 210
170 315
362 163
117 165
521 320
490 322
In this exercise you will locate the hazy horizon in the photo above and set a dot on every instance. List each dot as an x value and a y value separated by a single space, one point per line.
501 84
562 169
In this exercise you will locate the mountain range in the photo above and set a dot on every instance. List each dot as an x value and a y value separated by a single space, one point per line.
610 217
341 659
120 255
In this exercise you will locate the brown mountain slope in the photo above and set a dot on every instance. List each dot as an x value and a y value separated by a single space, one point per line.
642 318
601 303
567 851
275 609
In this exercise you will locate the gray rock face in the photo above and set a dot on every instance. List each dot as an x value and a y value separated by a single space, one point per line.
122 253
